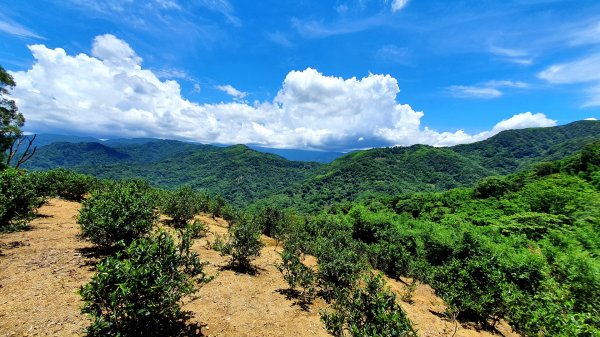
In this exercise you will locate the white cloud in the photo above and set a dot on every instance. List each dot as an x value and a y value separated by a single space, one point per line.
397 5
168 4
16 29
485 90
231 91
590 119
115 51
584 70
462 91
506 84
516 56
522 121
110 94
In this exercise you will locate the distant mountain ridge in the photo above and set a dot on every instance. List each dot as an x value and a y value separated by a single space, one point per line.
244 175
44 139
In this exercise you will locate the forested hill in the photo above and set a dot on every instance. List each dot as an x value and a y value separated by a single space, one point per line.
236 172
243 175
419 168
514 150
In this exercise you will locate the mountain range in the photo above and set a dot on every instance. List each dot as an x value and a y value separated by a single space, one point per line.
244 175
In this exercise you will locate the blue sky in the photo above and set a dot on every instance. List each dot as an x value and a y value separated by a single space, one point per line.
302 74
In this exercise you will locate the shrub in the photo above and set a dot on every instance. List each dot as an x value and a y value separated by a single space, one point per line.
197 229
296 274
473 288
138 291
217 206
66 184
340 262
243 244
370 310
121 214
182 205
18 199
272 221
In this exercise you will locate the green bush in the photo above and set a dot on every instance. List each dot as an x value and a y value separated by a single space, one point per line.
296 273
340 262
66 184
367 311
197 229
182 205
243 244
119 215
138 291
272 221
19 199
217 206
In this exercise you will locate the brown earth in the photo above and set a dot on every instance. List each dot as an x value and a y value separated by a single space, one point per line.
42 269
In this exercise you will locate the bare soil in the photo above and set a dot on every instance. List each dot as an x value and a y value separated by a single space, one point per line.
42 269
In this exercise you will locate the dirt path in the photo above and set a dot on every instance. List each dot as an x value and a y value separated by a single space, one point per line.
42 269
40 275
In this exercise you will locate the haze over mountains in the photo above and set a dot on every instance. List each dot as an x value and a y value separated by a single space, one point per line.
243 175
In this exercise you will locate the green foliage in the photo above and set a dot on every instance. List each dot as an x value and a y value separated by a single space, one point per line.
19 198
244 176
238 173
217 206
243 244
296 273
11 120
370 310
183 204
117 215
197 229
340 262
273 221
66 184
522 247
138 292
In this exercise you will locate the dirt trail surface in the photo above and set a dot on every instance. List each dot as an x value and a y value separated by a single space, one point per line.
42 269
41 273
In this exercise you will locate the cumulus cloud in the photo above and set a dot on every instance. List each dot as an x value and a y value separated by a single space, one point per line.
110 94
231 91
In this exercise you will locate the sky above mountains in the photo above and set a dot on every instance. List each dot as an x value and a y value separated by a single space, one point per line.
335 75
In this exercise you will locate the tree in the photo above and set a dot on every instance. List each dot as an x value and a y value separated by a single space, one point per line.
11 120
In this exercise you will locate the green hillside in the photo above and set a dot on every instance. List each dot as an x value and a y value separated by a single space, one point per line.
513 150
524 247
236 172
421 168
244 176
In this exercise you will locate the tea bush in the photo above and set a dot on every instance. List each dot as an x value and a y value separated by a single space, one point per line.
182 205
119 215
66 184
243 243
340 262
370 310
19 199
138 292
296 273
